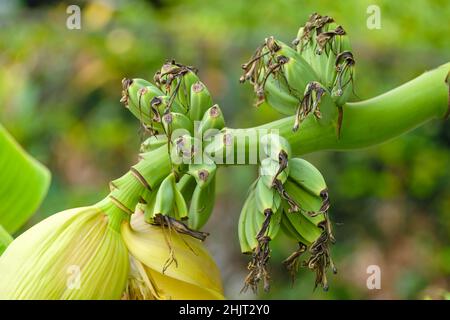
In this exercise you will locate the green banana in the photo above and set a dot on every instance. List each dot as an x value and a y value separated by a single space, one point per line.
153 142
180 209
345 74
259 219
203 173
311 206
167 201
245 240
200 101
177 121
259 224
202 205
326 47
212 119
186 185
150 200
297 71
188 80
288 229
176 80
165 198
270 170
275 147
184 149
308 177
164 104
277 96
304 229
137 96
338 44
310 41
249 228
267 199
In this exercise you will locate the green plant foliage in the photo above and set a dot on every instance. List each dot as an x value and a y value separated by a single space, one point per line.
5 239
24 183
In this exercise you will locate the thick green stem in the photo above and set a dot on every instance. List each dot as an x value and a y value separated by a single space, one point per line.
365 123
376 120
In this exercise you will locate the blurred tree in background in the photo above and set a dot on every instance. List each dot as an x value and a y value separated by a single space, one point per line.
60 91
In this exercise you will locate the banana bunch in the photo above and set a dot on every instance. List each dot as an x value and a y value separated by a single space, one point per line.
326 47
177 109
279 75
290 195
285 80
260 218
305 219
259 223
176 101
294 80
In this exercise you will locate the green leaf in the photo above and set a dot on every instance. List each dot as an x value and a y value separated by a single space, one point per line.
5 239
23 183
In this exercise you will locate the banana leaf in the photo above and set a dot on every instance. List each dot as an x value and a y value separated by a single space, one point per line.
23 184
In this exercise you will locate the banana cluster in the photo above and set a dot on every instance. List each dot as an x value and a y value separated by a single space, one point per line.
176 110
294 80
175 101
290 195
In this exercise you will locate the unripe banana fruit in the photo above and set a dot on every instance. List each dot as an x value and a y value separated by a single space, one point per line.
153 143
176 121
202 204
307 176
200 101
203 173
267 199
168 201
270 170
212 119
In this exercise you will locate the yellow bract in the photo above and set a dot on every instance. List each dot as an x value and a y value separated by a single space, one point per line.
74 254
194 275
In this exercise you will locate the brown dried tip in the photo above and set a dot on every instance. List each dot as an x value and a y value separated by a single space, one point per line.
258 265
203 174
178 226
214 112
320 259
264 62
309 104
292 262
326 37
278 185
168 118
198 87
315 23
126 83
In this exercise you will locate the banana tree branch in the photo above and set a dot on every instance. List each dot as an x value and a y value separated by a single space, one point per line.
376 120
365 123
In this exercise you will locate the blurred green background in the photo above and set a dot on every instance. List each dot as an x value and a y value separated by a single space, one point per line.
60 91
